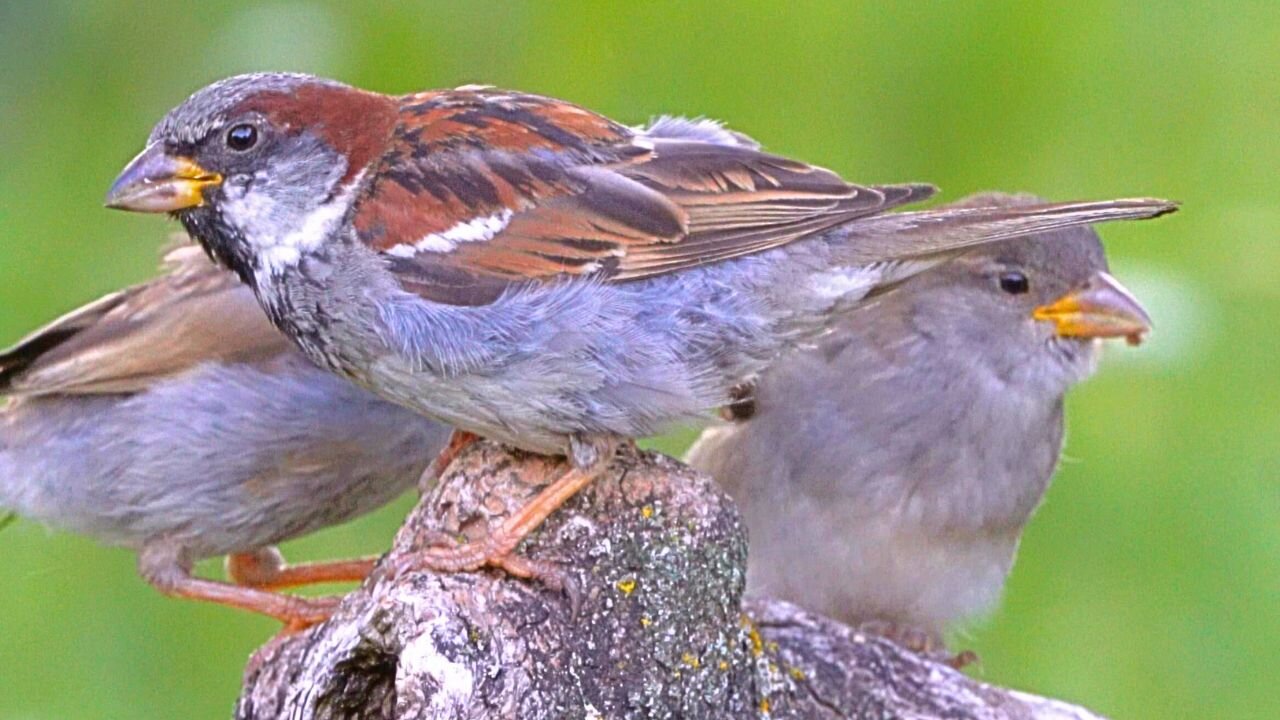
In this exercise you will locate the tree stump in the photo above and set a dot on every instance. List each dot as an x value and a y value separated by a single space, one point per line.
650 624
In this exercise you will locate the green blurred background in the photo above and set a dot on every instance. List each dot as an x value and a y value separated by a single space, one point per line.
1149 584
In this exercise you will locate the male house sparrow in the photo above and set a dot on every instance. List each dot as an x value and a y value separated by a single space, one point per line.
530 271
886 474
172 418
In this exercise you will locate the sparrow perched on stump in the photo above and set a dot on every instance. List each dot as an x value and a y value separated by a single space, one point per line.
530 271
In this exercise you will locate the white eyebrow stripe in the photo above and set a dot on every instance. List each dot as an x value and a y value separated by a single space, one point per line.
473 230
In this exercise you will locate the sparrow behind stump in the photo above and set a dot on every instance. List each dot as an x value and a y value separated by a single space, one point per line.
171 418
886 474
530 271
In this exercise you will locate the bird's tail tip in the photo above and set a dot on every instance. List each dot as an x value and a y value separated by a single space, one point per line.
1149 206
1164 207
1142 208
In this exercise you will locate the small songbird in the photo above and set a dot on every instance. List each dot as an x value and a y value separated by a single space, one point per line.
171 418
527 270
886 474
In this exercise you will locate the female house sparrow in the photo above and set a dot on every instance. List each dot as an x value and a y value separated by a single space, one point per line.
886 474
530 271
172 418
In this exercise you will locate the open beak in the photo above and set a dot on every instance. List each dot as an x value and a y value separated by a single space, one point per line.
1102 308
158 182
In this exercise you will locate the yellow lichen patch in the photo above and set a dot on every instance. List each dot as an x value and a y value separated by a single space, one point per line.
627 585
647 511
796 674
645 621
757 642
724 665
691 660
764 705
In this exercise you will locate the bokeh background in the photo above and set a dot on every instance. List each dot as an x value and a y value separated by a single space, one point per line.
1149 584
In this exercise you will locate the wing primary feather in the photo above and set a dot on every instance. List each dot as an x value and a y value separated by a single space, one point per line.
927 232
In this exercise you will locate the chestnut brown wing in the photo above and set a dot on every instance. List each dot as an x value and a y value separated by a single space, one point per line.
483 189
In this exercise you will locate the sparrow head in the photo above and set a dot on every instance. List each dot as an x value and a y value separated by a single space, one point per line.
260 168
1033 310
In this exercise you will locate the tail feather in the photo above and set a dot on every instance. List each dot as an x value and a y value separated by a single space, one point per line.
943 231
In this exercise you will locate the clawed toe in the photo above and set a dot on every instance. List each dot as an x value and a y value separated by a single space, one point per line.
445 555
545 573
919 641
307 612
962 659
589 456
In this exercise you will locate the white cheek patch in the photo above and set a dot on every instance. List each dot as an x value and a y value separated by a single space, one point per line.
278 233
474 230
319 223
279 257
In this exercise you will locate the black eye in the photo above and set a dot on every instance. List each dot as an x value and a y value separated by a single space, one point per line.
242 137
1014 283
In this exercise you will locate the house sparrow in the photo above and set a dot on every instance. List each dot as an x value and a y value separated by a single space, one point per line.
527 270
886 474
172 418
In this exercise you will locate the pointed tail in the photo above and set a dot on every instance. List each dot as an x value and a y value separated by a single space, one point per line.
942 231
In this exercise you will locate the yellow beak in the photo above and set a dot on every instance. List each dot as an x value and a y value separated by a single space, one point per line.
1102 308
158 182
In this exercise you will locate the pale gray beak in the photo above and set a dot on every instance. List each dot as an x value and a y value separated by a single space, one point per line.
157 182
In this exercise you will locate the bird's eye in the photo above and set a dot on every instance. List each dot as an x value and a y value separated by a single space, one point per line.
242 137
1014 283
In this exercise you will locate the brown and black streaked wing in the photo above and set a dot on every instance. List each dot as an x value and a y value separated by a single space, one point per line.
125 342
483 189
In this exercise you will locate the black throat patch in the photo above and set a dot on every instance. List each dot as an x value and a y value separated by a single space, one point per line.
222 242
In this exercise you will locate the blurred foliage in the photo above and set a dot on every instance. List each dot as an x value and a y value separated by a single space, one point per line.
1149 584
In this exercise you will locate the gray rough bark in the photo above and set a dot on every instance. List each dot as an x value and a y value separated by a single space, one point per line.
652 624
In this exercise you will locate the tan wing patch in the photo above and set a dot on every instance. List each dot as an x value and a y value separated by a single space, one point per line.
129 340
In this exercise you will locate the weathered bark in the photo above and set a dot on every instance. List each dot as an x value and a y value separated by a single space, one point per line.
651 623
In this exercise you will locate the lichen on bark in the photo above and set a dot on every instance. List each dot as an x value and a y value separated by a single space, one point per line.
651 623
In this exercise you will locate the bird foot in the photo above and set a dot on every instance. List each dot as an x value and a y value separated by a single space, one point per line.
167 568
322 609
448 552
962 659
919 641
266 569
445 554
459 440
307 612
